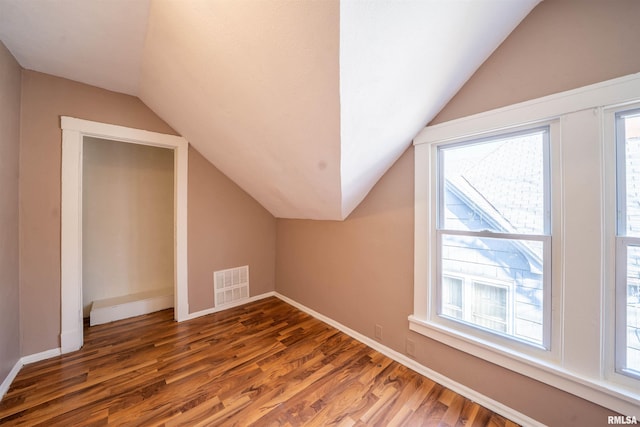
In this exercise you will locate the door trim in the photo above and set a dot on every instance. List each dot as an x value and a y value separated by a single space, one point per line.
73 132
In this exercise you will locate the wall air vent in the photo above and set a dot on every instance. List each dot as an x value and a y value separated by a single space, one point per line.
231 285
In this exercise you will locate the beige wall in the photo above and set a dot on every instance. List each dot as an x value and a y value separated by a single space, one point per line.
226 228
9 150
44 99
561 45
127 215
360 272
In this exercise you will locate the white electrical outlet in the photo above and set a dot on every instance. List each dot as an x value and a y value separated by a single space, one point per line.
378 332
411 348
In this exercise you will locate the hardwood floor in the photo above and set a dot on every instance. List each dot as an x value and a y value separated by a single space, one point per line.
264 364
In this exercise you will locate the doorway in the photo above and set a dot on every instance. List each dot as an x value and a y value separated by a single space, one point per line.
127 229
75 131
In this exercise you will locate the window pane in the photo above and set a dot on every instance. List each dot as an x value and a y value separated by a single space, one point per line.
632 174
633 309
495 184
514 306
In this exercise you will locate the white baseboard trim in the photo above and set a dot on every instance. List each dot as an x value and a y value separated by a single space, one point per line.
71 340
47 354
25 360
4 387
230 305
112 309
461 389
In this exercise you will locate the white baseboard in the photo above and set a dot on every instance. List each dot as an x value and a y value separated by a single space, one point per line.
461 389
4 387
25 360
230 305
47 354
124 307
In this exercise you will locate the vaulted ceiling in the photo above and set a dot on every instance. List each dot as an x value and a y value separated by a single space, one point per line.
303 103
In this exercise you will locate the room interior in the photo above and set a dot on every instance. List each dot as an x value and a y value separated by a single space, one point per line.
300 118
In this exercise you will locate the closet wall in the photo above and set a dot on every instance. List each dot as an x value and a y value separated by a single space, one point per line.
127 222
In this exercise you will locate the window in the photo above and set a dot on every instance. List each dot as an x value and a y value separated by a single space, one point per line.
493 225
490 280
628 243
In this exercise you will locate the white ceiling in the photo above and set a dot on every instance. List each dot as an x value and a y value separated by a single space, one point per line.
304 104
98 42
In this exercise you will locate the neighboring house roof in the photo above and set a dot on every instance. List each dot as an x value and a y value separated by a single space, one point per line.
509 180
507 187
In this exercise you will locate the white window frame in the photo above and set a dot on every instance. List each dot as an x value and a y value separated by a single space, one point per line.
580 359
544 237
622 240
464 335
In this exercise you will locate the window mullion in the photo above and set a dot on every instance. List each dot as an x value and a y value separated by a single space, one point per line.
495 235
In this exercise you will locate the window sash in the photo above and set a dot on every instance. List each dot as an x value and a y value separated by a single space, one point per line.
621 322
543 237
623 242
546 285
440 173
621 169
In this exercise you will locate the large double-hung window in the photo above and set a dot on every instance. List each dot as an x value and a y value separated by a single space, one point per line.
493 234
628 243
527 239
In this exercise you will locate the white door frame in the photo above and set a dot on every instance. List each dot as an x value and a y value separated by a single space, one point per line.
73 133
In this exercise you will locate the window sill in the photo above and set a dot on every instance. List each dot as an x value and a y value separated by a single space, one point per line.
605 393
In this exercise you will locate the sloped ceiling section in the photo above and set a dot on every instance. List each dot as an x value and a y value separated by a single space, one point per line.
400 63
254 86
304 104
99 43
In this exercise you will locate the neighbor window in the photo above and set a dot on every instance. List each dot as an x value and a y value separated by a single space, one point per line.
493 234
628 243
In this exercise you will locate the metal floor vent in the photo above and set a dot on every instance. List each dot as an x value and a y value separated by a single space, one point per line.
231 285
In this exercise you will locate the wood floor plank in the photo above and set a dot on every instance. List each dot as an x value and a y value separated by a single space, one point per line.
265 363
